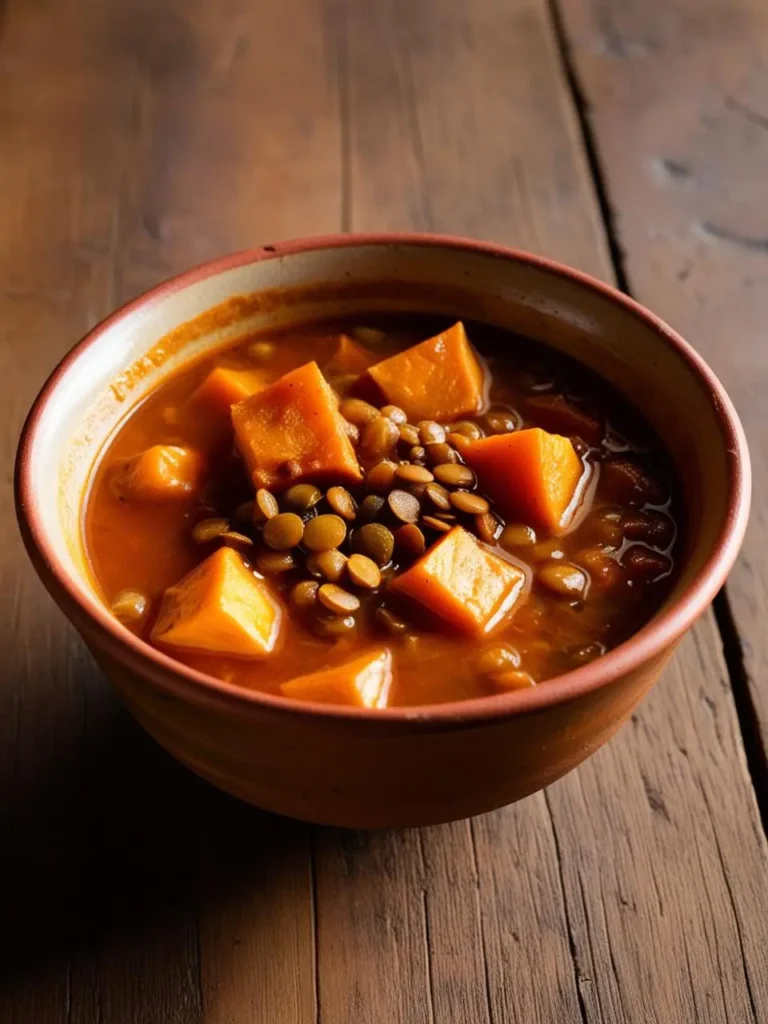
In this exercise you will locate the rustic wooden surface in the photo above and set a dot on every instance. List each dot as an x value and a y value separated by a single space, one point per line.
138 137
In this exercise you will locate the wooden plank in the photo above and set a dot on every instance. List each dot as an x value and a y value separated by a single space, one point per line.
679 103
439 145
64 113
134 152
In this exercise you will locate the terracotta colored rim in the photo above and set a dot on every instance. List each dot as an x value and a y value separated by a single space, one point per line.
187 683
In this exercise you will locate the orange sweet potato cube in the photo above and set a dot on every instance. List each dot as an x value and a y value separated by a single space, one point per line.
533 476
292 431
362 683
439 379
463 583
349 357
164 472
221 607
225 387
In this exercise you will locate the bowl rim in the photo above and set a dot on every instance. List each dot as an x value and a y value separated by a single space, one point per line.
174 677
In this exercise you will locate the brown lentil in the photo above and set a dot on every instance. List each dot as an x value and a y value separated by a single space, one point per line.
283 531
391 622
235 539
353 432
466 501
368 335
337 600
370 507
517 535
379 436
440 452
459 441
374 540
432 523
261 351
438 495
585 653
243 514
431 432
265 505
409 542
380 477
499 658
417 490
653 527
604 571
468 429
487 527
304 594
394 413
563 579
642 564
342 503
417 454
363 572
454 475
404 506
328 564
324 533
358 412
209 529
302 497
268 562
514 680
129 606
409 435
410 474
502 422
333 625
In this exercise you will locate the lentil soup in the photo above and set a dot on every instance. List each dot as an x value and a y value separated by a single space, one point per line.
391 511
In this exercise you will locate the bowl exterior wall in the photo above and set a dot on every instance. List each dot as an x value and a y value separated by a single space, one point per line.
369 775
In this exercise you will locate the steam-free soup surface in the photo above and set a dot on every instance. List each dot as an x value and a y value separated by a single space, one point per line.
553 571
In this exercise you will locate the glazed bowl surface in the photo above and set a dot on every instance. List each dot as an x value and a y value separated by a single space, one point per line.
400 766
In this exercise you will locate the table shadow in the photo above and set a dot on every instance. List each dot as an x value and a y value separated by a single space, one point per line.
102 849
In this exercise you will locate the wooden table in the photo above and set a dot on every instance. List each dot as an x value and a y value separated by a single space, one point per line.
138 137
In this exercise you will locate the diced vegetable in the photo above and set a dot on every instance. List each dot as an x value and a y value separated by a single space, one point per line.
292 431
555 413
221 607
532 476
362 683
463 583
164 472
349 357
439 379
225 387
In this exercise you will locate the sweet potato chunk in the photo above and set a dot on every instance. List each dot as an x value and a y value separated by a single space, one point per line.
463 583
363 683
439 379
292 430
225 387
164 472
533 476
220 608
349 357
559 415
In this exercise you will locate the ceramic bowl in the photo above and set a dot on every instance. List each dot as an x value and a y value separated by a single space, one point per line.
400 766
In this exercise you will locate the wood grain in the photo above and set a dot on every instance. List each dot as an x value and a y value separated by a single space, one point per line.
687 184
141 137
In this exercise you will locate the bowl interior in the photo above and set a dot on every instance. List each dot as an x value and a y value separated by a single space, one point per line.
125 358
